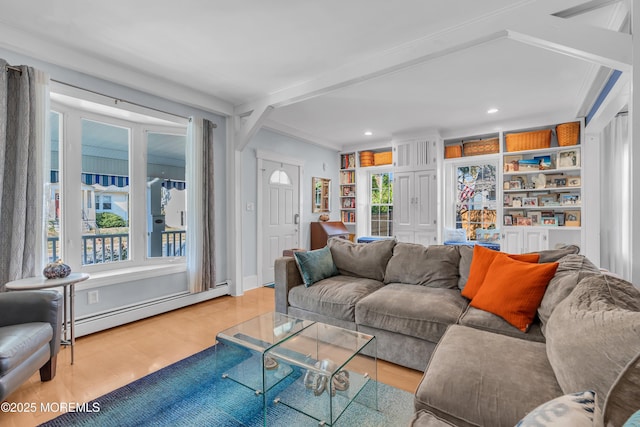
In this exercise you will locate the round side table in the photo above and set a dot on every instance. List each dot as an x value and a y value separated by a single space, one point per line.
68 285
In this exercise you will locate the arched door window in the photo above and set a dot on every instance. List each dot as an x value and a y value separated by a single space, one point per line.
279 177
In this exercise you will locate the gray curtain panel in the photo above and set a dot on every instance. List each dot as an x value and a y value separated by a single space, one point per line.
208 241
19 225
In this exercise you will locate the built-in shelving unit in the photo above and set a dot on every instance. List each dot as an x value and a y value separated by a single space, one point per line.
348 188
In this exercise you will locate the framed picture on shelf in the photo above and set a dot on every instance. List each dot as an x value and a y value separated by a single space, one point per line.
529 202
511 163
560 182
560 219
572 218
524 221
516 213
544 162
549 221
515 185
508 220
535 217
573 181
569 158
570 199
548 200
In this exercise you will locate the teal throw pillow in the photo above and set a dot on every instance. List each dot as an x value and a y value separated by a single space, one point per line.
315 265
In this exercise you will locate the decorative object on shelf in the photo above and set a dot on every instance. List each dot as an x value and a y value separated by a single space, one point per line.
573 181
324 217
569 158
568 133
539 181
528 140
56 270
481 146
572 218
508 220
366 158
535 217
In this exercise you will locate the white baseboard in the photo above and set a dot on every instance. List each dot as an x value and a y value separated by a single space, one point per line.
143 310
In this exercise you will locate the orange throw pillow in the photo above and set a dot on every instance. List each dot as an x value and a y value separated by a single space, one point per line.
482 259
514 289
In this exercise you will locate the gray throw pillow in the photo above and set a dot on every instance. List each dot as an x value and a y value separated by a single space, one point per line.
435 266
315 265
571 270
368 260
593 334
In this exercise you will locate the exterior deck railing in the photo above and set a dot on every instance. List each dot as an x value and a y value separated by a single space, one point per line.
103 248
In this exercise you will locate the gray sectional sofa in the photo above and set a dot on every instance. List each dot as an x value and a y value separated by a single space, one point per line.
478 369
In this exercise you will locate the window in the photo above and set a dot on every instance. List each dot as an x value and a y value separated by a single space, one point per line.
475 198
99 199
381 203
166 194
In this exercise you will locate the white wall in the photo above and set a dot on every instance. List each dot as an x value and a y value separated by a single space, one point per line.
314 157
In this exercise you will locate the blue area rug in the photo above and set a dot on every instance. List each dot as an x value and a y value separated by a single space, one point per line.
192 392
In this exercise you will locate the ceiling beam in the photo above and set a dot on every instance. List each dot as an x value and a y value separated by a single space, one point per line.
248 124
596 45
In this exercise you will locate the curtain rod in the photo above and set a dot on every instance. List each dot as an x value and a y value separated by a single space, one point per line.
11 67
117 100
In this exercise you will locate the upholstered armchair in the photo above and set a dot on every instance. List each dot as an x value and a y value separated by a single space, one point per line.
30 329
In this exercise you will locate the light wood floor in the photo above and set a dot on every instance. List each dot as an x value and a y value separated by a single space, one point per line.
110 359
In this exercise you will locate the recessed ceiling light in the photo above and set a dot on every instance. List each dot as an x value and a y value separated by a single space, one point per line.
492 110
368 133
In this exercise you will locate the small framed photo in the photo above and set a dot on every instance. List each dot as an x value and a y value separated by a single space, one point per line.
506 185
547 200
515 185
560 182
574 181
516 213
572 218
535 217
569 158
508 220
529 202
549 221
570 199
511 163
559 219
544 162
524 221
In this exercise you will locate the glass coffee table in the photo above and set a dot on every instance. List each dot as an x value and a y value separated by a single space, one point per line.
311 367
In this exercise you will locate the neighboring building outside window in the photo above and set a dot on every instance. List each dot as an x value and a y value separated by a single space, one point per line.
381 204
106 213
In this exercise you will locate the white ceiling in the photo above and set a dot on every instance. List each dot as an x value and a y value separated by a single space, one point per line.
334 68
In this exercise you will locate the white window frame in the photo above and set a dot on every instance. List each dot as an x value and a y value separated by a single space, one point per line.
370 194
70 166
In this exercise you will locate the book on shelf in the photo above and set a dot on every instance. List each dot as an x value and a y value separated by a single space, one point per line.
348 161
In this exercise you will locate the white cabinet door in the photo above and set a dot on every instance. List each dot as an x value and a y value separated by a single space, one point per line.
518 240
415 154
405 236
415 207
535 239
426 201
403 198
425 238
512 240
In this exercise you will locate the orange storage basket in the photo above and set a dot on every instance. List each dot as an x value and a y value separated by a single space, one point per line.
452 151
568 133
384 158
366 158
482 146
528 140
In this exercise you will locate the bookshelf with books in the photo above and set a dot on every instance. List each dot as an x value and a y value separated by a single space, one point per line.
348 188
